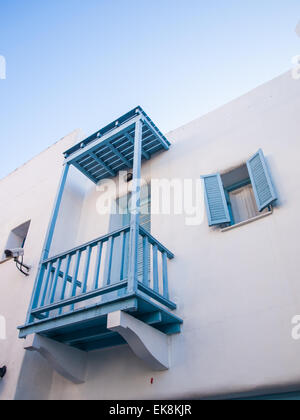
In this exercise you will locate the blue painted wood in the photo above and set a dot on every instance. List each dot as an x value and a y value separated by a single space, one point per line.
261 180
123 121
86 269
106 138
87 321
119 154
123 250
54 217
75 276
165 275
97 145
73 319
156 296
126 255
103 164
165 144
155 269
77 252
238 185
65 279
231 188
151 318
109 254
48 272
154 241
135 210
98 265
48 241
144 154
146 274
94 242
215 200
171 329
86 173
80 298
54 281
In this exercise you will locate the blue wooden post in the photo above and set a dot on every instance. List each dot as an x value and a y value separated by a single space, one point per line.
48 241
135 209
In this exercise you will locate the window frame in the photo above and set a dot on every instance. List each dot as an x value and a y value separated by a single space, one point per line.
231 188
234 187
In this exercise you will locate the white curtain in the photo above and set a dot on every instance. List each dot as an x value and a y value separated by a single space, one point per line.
243 204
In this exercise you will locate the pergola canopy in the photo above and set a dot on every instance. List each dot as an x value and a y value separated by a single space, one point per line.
111 149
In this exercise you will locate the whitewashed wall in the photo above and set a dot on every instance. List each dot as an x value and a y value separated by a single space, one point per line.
237 291
26 194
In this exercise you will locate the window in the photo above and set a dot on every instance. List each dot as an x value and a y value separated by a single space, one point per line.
18 236
241 194
122 219
145 221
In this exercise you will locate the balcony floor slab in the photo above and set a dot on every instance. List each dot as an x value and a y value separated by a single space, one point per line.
86 328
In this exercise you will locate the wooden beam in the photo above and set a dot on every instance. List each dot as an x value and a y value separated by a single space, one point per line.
102 163
76 299
145 154
116 152
83 315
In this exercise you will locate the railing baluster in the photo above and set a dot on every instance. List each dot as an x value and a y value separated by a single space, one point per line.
98 264
65 280
37 291
155 270
53 279
46 283
123 245
86 269
75 275
126 256
165 275
54 282
146 277
110 247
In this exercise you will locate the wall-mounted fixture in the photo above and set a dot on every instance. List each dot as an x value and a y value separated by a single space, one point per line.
128 177
3 372
17 254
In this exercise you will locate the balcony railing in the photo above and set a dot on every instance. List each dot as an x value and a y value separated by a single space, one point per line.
97 269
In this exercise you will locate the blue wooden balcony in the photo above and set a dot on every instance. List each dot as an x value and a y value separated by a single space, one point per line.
76 290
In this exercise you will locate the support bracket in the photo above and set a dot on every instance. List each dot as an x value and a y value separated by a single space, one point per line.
69 362
146 342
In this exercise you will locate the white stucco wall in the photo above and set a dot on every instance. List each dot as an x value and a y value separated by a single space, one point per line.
26 194
237 291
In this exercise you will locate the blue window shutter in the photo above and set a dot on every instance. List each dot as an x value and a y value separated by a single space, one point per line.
261 181
215 200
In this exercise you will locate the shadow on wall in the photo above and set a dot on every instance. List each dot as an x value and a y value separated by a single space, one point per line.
35 378
2 387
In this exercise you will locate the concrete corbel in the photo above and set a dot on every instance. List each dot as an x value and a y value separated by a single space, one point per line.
146 342
69 362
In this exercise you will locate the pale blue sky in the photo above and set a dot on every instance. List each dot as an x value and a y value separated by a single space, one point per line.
82 63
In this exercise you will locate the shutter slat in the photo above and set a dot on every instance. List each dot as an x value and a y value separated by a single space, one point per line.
215 200
261 181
